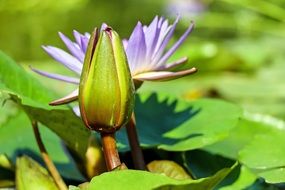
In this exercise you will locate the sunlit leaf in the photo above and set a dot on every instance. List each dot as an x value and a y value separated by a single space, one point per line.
178 125
33 97
265 156
142 180
18 137
239 137
258 143
245 179
15 80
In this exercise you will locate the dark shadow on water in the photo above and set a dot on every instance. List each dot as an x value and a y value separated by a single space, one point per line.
156 117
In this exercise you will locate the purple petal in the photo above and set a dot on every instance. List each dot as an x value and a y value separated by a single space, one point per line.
151 36
173 64
164 28
67 99
163 75
84 42
57 76
64 58
176 45
74 49
81 40
77 37
136 50
160 21
164 37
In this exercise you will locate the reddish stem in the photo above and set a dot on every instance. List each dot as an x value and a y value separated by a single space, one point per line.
110 151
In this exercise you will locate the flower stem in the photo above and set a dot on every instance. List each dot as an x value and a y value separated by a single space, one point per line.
51 167
110 151
136 150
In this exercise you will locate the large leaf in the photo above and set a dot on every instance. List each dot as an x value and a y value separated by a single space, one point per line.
15 80
258 143
142 180
65 124
201 164
33 97
7 109
179 125
265 156
239 137
18 138
245 179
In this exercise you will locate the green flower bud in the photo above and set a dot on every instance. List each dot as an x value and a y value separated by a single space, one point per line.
106 91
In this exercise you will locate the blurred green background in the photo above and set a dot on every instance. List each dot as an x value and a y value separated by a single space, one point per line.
238 46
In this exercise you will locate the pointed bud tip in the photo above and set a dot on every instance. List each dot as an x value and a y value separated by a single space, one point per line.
109 31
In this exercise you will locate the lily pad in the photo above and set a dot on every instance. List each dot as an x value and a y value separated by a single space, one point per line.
33 97
129 180
245 179
239 137
18 137
258 143
179 125
265 156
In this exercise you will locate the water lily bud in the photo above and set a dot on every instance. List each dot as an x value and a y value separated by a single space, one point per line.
106 91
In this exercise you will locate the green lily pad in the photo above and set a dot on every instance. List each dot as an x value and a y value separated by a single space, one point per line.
15 80
245 179
201 164
258 143
18 137
239 137
179 125
8 109
142 180
265 156
33 97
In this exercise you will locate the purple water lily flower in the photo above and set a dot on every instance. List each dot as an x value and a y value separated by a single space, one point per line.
145 51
